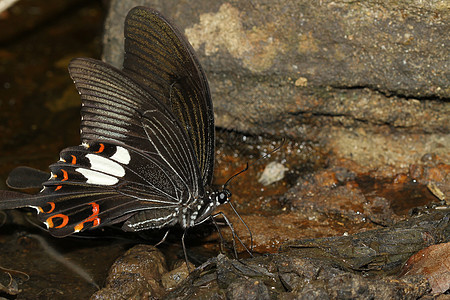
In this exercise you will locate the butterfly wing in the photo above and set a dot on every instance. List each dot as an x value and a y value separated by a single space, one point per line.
26 177
157 113
135 157
117 109
159 57
100 183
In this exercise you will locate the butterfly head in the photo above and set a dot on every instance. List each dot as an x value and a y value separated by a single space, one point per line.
210 202
223 196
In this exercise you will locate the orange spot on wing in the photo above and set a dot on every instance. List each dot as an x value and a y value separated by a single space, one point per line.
95 208
58 187
65 176
93 218
79 227
74 159
50 222
65 220
52 208
102 147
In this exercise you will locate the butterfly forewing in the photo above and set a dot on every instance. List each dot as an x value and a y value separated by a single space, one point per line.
159 57
117 109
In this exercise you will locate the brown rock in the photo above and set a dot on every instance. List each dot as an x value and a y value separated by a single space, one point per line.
433 263
135 275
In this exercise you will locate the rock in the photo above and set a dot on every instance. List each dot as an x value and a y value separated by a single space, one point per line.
135 275
366 79
431 262
273 172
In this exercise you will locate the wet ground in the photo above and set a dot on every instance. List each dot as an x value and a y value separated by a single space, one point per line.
319 196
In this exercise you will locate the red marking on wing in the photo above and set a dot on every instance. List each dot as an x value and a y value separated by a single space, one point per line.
64 221
93 218
58 187
102 147
52 208
74 159
64 175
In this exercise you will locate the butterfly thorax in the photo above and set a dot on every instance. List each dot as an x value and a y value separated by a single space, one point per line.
192 213
201 208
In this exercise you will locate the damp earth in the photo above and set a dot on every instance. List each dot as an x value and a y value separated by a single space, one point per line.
322 211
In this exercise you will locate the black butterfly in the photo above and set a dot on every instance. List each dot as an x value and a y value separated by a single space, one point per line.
147 132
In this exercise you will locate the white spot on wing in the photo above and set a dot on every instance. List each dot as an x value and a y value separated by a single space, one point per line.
105 165
36 208
94 177
122 155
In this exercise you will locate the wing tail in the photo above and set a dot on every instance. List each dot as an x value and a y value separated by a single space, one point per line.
26 178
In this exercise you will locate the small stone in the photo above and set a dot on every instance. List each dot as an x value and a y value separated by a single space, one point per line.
273 172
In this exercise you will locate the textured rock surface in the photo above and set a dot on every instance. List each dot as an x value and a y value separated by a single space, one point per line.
137 273
368 79
366 147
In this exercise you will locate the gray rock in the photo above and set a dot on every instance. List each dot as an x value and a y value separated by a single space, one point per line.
368 79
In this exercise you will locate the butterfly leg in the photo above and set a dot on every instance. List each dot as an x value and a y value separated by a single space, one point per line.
235 236
222 240
248 229
163 239
184 250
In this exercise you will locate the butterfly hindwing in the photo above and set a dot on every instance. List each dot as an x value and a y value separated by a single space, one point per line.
96 184
25 178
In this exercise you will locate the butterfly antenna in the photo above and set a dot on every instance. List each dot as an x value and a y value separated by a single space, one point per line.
249 164
235 175
235 211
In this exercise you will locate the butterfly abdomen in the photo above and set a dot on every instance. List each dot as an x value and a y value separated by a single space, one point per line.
150 219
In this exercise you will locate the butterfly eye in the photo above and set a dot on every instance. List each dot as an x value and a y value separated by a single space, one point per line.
223 196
